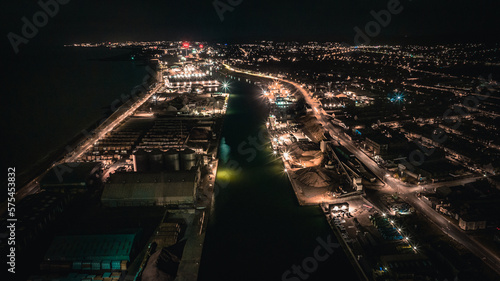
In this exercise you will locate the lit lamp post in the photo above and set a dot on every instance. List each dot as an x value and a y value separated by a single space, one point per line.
225 86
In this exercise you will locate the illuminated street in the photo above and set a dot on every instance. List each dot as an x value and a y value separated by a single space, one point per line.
251 140
407 191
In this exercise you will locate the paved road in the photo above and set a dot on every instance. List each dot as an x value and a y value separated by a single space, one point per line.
489 257
407 191
110 124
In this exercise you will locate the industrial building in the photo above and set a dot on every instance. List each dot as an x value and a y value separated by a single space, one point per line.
384 146
189 76
73 177
161 133
339 208
177 133
151 189
120 143
35 214
90 253
157 160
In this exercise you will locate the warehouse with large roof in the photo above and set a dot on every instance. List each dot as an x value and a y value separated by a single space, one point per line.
151 189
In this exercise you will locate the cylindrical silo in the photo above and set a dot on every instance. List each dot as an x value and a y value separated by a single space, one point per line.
156 160
172 160
141 161
188 159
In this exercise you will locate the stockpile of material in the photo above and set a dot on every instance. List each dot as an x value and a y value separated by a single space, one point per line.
304 156
313 177
312 128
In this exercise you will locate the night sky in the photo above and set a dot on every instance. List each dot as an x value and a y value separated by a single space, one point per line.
118 20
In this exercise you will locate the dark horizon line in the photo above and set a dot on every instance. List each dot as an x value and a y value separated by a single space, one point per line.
413 41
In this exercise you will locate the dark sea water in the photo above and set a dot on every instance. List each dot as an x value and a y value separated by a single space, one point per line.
257 230
50 95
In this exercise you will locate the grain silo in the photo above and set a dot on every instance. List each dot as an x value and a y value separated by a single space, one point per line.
188 159
171 158
156 160
141 161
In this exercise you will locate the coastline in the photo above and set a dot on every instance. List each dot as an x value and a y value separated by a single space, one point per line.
29 180
189 266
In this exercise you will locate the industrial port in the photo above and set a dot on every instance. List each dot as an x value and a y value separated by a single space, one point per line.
370 207
132 200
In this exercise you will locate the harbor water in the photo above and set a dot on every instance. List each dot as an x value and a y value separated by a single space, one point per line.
257 230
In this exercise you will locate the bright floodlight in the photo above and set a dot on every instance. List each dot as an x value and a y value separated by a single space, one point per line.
225 85
285 154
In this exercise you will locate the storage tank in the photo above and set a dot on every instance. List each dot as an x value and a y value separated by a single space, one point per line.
141 161
156 160
171 158
188 159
